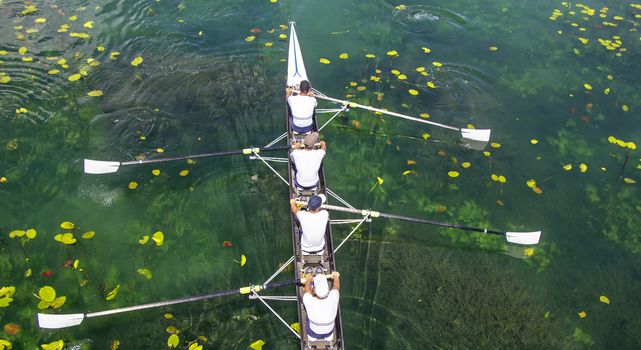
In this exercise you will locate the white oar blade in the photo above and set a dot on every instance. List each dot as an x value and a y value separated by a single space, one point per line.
526 238
59 321
100 166
482 135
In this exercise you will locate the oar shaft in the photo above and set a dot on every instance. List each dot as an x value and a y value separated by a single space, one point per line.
206 155
407 218
163 303
243 290
373 109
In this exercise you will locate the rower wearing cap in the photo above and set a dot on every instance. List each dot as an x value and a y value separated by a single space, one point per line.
302 108
308 160
321 304
312 223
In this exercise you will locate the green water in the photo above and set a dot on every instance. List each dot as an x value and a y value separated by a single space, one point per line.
202 88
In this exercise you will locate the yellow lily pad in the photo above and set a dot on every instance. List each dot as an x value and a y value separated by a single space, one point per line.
88 234
31 233
74 77
413 92
582 314
145 272
17 233
56 345
250 38
257 345
453 173
243 260
94 93
159 238
324 61
173 341
144 240
528 251
47 293
531 183
132 185
437 64
343 56
65 238
466 165
184 172
137 61
392 53
583 167
67 225
155 172
58 302
22 50
113 293
629 180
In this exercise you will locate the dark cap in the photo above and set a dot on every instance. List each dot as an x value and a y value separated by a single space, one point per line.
314 202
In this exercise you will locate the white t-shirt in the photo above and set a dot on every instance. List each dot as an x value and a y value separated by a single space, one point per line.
313 225
322 312
307 164
302 109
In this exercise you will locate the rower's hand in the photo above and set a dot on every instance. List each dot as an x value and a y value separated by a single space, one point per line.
288 90
335 275
308 279
292 201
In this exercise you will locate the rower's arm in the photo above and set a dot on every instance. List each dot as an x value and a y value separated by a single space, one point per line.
337 281
323 145
292 204
308 285
288 92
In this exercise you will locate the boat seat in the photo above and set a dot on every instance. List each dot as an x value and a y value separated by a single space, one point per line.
325 343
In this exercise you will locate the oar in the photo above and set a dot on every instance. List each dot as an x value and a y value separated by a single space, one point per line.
482 135
526 238
53 321
106 167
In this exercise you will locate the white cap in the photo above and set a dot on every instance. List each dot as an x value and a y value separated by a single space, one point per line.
321 287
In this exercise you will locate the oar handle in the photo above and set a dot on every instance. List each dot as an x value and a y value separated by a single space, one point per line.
248 151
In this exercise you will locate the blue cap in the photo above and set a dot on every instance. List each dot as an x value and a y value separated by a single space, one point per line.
314 202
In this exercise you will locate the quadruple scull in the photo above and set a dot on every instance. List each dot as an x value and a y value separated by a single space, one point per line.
320 261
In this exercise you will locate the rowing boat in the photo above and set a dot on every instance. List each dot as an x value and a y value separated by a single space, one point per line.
295 74
323 260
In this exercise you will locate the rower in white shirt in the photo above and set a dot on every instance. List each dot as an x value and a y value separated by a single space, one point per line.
321 305
302 107
308 161
312 223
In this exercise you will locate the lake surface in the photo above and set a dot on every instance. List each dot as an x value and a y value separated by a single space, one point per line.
557 82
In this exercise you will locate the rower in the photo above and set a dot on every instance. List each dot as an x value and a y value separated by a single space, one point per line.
312 224
302 108
307 161
321 304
